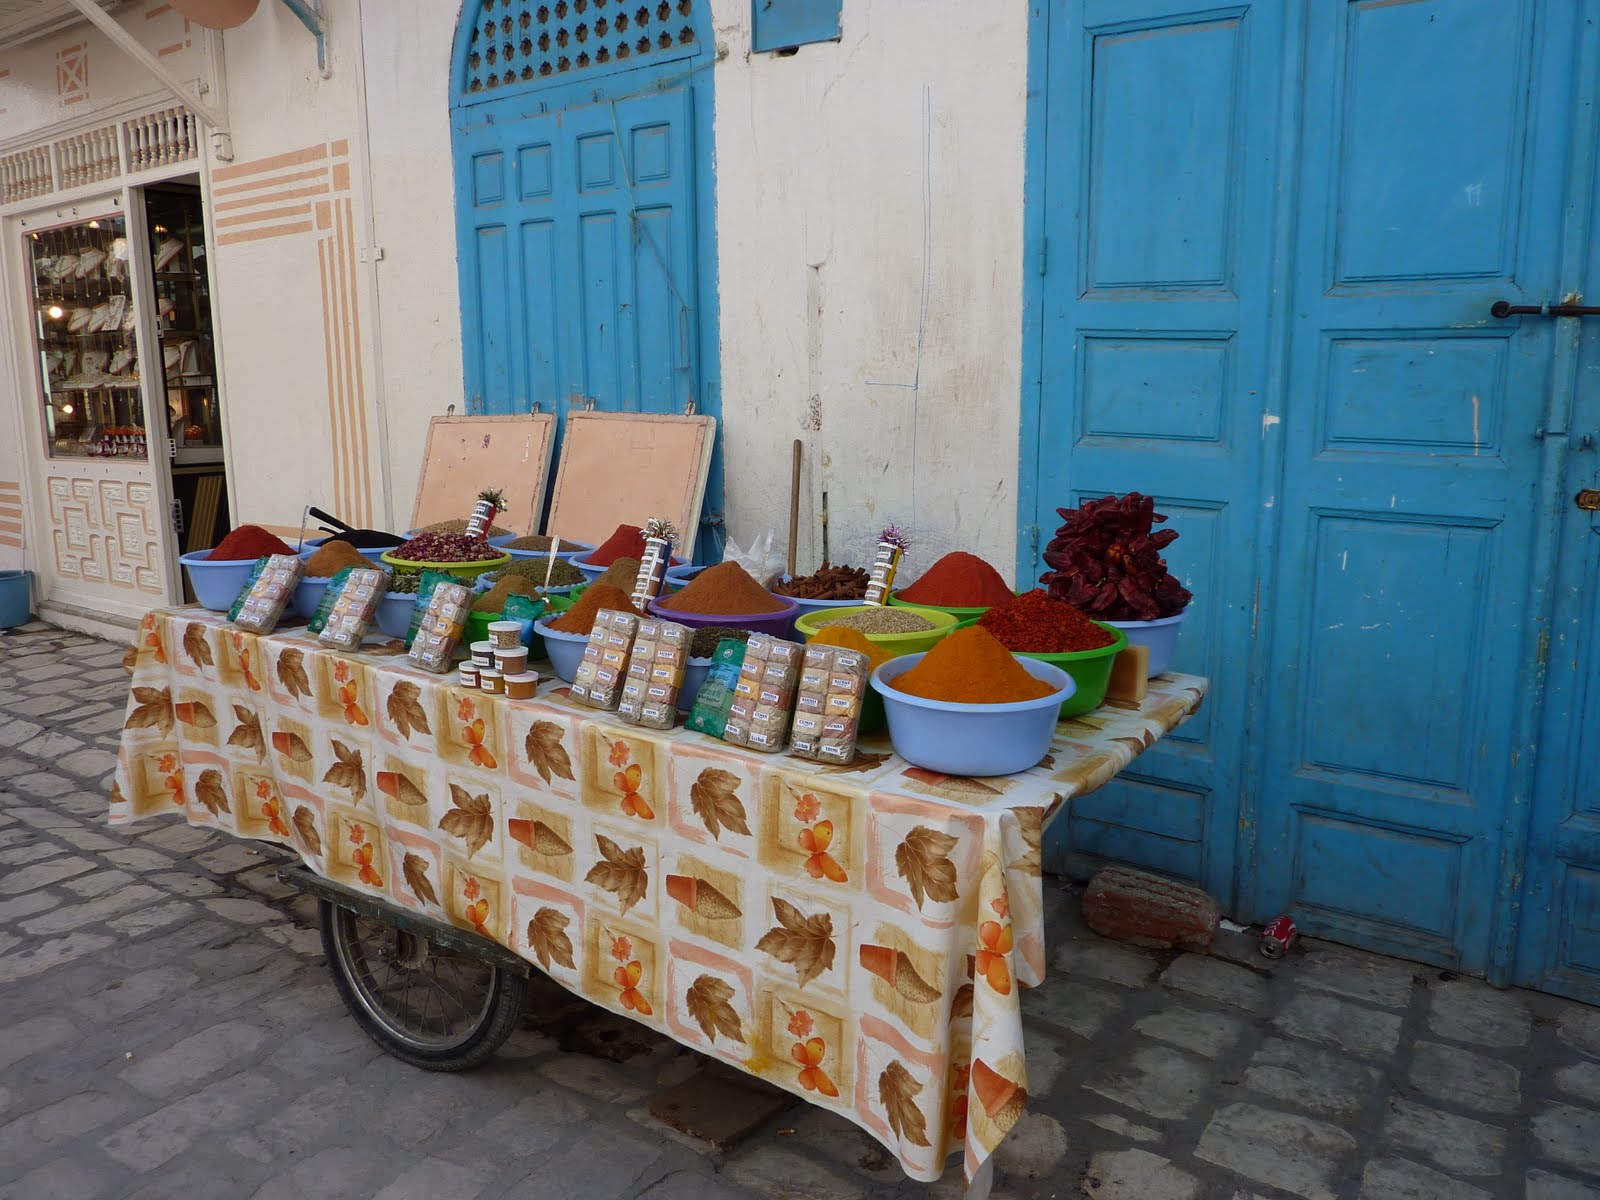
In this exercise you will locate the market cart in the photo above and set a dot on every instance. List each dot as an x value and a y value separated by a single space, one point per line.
857 935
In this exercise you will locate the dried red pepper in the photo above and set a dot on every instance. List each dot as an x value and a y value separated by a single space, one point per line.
1106 561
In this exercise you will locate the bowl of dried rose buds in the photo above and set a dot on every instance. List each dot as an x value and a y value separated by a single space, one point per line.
460 555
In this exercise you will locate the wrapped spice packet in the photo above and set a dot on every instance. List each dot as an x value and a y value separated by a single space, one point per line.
711 705
260 605
827 707
442 621
763 698
659 536
604 667
331 593
354 608
655 674
891 545
425 586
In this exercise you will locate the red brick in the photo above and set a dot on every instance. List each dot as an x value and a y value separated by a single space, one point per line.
1150 910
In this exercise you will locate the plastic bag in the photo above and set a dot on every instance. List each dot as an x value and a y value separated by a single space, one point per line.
710 711
762 561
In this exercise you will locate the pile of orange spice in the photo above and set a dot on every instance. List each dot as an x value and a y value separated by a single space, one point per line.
597 596
971 667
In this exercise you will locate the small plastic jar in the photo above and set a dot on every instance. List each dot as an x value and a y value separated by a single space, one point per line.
491 681
506 635
522 685
511 662
483 653
469 674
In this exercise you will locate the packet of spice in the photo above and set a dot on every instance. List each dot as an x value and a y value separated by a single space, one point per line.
710 711
525 610
319 619
261 602
763 697
604 667
655 674
827 707
353 608
441 620
426 583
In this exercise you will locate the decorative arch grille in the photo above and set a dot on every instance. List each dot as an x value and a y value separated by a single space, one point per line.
521 43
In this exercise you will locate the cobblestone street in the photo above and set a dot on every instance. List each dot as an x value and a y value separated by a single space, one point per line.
170 1030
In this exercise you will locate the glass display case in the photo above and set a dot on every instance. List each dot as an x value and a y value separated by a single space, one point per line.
180 271
84 323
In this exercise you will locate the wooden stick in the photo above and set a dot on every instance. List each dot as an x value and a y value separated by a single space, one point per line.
794 506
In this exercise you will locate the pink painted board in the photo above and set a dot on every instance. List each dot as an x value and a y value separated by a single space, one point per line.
464 455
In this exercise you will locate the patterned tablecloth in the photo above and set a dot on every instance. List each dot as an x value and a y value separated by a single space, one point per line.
856 935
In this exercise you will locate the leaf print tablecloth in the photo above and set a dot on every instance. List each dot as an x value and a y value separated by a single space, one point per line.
856 935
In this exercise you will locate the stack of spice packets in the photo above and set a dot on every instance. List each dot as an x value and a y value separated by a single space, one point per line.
827 707
439 628
763 699
599 679
261 605
655 674
354 607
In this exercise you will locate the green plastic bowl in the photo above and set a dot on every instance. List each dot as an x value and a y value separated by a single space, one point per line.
461 570
1090 670
960 614
896 643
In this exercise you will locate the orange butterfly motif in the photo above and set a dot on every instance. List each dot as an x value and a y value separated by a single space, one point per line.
809 1054
995 943
250 680
175 782
472 735
628 980
352 710
363 859
271 811
477 913
153 641
627 782
815 842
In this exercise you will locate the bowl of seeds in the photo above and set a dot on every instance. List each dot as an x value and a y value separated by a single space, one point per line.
537 545
897 630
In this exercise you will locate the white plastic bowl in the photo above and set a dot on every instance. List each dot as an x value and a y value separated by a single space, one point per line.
1161 636
971 739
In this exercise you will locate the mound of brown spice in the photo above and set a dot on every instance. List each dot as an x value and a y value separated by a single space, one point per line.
580 617
333 557
726 589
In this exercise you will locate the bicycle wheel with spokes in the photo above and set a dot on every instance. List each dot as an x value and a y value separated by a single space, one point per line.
435 1008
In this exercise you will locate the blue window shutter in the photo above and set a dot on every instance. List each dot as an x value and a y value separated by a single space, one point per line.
780 24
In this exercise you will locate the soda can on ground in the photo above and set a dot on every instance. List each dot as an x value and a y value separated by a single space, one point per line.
1278 936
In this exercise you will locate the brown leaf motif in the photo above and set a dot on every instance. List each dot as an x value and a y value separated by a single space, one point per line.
923 861
130 659
897 1092
305 824
152 710
348 772
961 1002
405 709
385 649
248 735
471 820
620 872
863 761
196 646
292 673
211 792
707 1001
807 942
547 938
415 868
715 798
1030 821
955 786
545 751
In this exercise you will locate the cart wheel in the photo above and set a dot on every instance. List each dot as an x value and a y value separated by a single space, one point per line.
434 1008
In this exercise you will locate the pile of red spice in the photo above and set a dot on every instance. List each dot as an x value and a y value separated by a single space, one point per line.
726 589
249 542
626 542
959 580
1037 623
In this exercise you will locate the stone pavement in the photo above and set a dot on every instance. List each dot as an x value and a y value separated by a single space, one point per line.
167 1029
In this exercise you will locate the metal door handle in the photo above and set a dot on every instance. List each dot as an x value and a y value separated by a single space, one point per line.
1504 308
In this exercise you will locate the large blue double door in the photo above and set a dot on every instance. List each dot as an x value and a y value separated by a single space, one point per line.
1275 232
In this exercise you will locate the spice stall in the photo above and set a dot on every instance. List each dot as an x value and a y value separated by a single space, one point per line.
853 928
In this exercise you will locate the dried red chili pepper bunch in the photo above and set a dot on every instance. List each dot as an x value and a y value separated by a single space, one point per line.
1106 561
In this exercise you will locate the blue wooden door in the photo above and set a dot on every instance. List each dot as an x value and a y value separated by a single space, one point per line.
1402 668
1271 234
1157 290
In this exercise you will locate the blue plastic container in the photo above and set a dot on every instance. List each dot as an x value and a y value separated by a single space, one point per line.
216 582
394 613
307 595
564 650
16 598
569 550
971 739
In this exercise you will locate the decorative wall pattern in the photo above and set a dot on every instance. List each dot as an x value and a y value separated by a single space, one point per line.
105 533
11 514
307 192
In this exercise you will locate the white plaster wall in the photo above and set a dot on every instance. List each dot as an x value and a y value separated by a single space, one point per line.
869 225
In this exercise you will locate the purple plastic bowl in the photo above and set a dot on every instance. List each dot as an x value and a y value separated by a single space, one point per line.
778 624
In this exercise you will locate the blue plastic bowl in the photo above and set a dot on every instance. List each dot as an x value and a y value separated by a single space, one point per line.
565 650
694 678
569 550
971 739
307 595
394 613
216 582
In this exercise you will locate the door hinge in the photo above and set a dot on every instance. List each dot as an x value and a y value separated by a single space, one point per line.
177 517
371 254
1044 253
